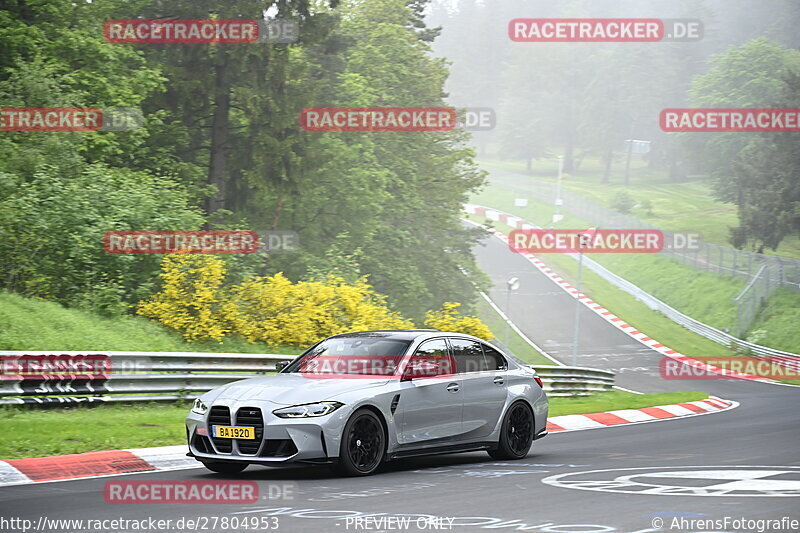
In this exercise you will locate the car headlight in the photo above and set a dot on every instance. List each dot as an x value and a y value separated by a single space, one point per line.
307 410
199 407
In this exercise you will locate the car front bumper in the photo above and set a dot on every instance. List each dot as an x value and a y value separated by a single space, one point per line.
280 440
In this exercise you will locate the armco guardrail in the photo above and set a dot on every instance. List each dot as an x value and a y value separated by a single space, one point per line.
574 380
167 376
130 376
650 301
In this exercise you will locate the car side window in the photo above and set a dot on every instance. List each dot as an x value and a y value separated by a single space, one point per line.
433 357
436 347
494 358
469 356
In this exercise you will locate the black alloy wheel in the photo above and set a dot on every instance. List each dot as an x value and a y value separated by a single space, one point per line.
516 434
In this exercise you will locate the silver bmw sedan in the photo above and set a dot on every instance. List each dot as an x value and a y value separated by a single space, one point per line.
356 400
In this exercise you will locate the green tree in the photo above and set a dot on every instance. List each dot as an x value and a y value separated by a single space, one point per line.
417 244
52 227
53 54
231 108
767 176
751 75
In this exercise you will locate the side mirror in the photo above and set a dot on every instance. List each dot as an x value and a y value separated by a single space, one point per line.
409 374
428 367
280 365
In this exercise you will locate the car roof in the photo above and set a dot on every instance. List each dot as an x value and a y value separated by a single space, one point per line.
404 334
400 334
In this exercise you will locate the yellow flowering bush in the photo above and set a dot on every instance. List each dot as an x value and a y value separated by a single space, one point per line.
275 311
449 319
191 299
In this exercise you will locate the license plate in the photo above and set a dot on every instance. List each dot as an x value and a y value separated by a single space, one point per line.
234 432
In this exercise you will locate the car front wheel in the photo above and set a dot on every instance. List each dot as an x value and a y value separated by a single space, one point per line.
516 433
363 445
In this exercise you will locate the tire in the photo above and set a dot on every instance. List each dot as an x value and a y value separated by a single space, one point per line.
363 445
516 433
222 467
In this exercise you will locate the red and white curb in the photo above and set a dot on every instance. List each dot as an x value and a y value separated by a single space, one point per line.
142 460
656 413
94 464
608 316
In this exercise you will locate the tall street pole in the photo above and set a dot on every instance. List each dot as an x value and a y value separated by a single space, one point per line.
584 239
511 285
577 327
508 315
558 188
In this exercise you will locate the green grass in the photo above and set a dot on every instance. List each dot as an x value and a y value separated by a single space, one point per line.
701 295
613 400
29 324
31 432
516 344
779 322
686 206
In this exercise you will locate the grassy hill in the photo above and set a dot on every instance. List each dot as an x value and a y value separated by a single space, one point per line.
29 324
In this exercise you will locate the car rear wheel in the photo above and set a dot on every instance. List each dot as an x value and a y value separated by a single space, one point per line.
222 467
516 433
363 445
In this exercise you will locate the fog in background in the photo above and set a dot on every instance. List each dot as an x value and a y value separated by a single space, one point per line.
584 99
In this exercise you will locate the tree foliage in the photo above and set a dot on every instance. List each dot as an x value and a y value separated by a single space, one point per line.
222 148
752 75
766 174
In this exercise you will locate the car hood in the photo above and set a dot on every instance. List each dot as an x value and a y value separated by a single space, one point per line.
294 389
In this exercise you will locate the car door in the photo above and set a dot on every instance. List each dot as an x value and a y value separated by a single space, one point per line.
484 386
430 406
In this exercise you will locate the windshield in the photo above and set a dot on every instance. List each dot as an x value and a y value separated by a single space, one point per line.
352 356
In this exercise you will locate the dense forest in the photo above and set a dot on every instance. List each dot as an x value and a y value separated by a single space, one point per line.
221 147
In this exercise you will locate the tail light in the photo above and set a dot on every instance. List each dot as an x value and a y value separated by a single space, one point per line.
538 380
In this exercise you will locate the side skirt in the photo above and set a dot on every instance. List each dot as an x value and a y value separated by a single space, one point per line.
439 450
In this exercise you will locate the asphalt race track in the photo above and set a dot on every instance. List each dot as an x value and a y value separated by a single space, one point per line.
742 463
